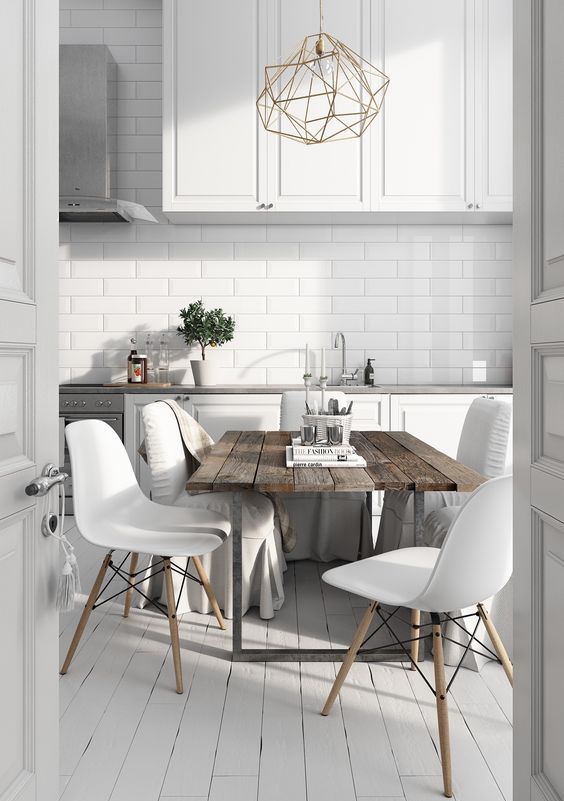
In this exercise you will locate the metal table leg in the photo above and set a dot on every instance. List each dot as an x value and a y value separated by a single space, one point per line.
418 517
241 654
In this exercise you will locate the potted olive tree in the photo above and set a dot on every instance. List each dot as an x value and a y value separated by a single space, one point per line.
213 328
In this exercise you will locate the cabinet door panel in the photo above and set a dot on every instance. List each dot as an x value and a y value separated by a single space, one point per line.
213 155
426 116
221 413
494 107
334 175
436 419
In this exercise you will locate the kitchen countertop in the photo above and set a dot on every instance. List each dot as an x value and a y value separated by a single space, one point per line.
276 389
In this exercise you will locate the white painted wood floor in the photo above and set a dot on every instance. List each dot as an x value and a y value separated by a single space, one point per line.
250 732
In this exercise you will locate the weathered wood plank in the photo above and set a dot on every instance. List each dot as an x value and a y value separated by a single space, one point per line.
313 479
383 472
425 477
206 474
272 473
240 467
466 479
351 479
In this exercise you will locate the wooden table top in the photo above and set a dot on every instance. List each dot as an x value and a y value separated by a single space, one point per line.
394 460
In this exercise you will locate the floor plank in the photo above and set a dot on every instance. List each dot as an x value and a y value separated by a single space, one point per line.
233 788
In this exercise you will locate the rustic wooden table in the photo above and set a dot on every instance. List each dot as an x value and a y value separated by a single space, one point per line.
256 460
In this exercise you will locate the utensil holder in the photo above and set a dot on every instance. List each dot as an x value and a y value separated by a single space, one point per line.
324 420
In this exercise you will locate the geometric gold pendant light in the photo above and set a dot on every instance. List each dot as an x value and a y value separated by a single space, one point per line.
323 92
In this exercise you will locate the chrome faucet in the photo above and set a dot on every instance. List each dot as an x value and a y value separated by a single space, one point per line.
345 376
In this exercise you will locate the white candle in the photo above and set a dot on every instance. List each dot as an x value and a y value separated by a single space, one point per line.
306 368
322 362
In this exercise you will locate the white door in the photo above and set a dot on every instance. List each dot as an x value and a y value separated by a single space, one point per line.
539 399
426 147
333 176
213 143
28 395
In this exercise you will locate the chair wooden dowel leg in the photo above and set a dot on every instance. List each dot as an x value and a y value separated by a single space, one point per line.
350 657
129 593
173 626
497 643
442 709
415 621
86 613
209 591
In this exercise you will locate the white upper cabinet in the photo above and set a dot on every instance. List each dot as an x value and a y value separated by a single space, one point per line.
441 143
214 156
333 176
494 107
426 135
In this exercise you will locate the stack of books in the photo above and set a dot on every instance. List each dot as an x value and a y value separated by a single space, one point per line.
322 455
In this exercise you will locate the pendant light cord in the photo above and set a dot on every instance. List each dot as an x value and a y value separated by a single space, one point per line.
320 16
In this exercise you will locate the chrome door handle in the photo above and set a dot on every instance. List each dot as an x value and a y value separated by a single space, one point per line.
50 477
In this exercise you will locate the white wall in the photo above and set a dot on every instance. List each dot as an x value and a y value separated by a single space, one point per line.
429 303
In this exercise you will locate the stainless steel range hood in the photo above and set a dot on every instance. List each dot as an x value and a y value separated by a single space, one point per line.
87 101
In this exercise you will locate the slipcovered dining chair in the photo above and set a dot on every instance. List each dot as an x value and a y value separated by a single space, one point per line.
474 563
111 511
483 445
327 526
263 557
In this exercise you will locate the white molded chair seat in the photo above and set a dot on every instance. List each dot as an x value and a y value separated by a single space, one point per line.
111 511
474 563
263 557
324 522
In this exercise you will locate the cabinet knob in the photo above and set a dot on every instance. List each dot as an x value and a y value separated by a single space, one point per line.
470 206
270 205
477 205
261 206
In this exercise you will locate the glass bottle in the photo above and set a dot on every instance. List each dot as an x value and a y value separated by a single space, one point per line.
164 360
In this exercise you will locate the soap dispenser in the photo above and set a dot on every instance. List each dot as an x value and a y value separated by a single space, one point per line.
369 374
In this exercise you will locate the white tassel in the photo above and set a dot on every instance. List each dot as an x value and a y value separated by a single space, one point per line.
67 587
74 565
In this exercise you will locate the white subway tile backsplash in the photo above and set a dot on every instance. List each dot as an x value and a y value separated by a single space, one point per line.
218 251
365 233
331 286
196 287
272 251
81 286
397 286
425 301
462 286
270 322
361 305
296 305
135 286
430 233
331 322
394 322
267 286
299 269
430 269
234 269
169 269
365 269
331 250
428 305
93 305
396 250
463 250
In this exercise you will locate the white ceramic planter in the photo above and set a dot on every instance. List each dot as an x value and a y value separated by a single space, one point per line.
205 373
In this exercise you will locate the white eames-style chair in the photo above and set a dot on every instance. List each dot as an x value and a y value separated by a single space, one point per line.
474 563
111 511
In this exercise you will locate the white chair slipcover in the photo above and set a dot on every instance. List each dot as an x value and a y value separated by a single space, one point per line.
483 446
263 558
328 526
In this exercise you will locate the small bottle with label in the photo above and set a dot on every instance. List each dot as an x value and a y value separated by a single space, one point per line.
138 368
369 374
132 355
